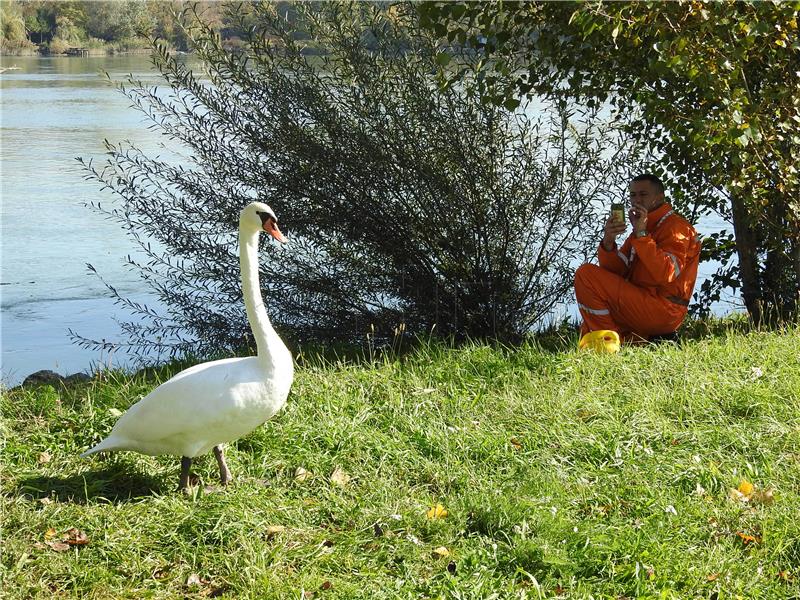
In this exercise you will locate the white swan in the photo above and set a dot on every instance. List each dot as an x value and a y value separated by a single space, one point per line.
208 404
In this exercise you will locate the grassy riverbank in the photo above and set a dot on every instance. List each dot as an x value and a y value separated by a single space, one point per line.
562 474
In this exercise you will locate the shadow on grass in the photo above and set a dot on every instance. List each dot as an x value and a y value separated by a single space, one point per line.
115 483
554 340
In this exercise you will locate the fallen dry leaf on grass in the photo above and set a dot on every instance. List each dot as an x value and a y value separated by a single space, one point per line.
339 477
747 492
764 496
737 496
58 546
44 457
748 539
301 474
71 537
195 580
440 552
75 537
437 512
423 391
712 577
273 530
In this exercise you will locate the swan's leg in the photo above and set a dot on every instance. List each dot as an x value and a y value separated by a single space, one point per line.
186 464
224 473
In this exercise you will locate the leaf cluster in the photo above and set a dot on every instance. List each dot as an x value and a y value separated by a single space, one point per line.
714 86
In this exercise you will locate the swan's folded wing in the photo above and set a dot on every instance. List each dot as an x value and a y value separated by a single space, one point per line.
209 397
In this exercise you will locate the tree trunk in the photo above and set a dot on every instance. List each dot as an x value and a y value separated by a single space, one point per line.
746 249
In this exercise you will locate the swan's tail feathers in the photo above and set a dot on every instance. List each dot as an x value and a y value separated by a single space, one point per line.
109 443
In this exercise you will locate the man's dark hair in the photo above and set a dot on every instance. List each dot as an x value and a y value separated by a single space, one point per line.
652 179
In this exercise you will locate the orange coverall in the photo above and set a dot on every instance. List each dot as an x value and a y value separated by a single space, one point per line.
643 288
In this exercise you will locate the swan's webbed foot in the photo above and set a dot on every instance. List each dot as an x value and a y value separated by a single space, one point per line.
225 476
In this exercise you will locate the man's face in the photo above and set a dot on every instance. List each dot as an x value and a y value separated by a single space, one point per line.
645 194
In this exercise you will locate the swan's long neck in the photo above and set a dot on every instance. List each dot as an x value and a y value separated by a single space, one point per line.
267 339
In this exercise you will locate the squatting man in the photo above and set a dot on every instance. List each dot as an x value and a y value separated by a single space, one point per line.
643 288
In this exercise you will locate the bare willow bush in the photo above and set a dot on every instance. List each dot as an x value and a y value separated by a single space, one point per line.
408 205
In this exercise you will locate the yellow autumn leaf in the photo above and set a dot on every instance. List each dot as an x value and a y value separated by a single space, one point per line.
745 487
437 512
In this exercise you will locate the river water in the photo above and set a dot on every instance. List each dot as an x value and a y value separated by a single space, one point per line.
51 110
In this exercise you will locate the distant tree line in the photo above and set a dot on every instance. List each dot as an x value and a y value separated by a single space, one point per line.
117 25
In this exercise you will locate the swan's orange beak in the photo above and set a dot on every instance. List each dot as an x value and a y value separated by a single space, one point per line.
271 227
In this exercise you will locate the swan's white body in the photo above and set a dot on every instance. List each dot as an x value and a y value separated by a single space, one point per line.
215 402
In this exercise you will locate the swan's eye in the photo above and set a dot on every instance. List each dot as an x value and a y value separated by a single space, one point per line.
265 216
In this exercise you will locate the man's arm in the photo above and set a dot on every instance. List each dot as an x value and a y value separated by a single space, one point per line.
608 255
666 260
616 259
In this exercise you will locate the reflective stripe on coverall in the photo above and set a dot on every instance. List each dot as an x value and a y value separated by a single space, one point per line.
644 287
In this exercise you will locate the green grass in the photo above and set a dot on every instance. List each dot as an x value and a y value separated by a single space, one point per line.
563 474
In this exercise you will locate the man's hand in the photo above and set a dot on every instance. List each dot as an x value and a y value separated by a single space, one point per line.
638 217
612 229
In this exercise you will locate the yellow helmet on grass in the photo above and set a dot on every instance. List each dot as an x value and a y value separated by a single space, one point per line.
602 340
